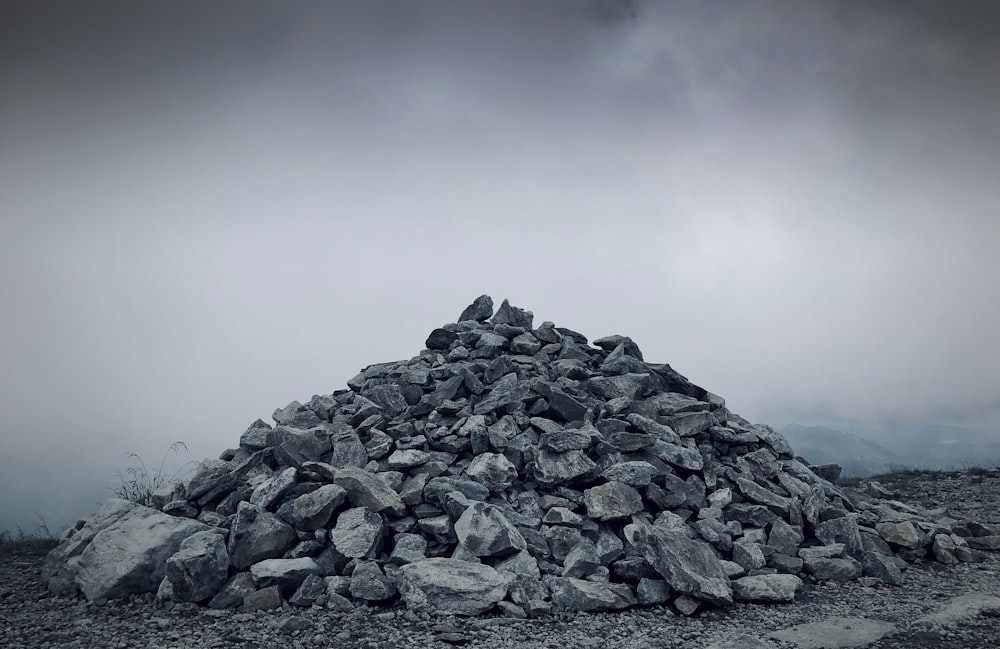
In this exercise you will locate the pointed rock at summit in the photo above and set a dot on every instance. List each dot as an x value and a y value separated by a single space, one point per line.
513 315
480 310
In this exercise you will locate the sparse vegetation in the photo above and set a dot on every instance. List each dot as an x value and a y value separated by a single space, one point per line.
137 483
24 543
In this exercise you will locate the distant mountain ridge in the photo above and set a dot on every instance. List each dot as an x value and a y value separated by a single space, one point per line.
865 450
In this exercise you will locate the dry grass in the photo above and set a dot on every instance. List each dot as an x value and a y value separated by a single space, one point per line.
24 543
137 483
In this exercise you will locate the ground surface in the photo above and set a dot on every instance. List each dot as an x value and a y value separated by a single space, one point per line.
29 617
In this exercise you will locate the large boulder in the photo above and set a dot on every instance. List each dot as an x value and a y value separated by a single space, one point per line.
484 531
257 535
451 586
582 595
689 566
122 550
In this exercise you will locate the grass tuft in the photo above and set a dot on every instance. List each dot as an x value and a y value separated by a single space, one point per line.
23 543
137 483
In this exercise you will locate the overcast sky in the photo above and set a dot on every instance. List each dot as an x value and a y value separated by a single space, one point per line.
208 210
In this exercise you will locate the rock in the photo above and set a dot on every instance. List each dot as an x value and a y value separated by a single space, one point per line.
121 550
257 535
312 511
480 310
766 588
451 586
553 468
835 632
612 500
407 458
233 593
484 531
633 473
882 567
269 491
582 560
312 588
689 566
833 569
408 548
493 471
265 599
581 595
286 574
512 315
199 568
650 592
369 583
960 609
357 532
441 339
842 530
902 534
364 489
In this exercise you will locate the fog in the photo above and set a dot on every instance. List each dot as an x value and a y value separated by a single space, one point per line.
208 210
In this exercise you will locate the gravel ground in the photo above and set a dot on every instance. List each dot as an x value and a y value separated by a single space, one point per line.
30 617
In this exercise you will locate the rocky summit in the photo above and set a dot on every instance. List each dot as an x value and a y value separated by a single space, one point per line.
506 468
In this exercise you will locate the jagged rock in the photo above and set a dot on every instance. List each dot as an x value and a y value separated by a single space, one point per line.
882 567
312 511
512 315
612 500
689 566
581 595
364 489
257 535
493 471
833 569
766 588
286 574
650 592
903 534
480 310
312 588
267 492
555 468
265 599
121 550
369 583
357 531
232 594
199 567
582 560
484 531
441 339
451 586
842 530
408 548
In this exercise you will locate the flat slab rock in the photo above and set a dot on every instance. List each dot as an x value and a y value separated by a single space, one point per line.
836 632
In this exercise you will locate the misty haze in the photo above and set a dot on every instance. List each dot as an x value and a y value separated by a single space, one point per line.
210 210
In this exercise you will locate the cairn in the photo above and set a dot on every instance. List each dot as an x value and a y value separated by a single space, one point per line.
506 468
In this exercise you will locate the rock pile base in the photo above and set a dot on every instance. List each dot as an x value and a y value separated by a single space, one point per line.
506 468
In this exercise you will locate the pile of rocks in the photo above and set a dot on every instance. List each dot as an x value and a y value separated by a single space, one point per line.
506 467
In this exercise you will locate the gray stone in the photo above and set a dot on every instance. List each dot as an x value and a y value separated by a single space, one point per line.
688 565
581 595
612 500
357 532
369 583
582 560
563 516
833 569
650 592
902 534
407 458
681 456
441 339
286 574
631 386
748 555
960 609
480 310
758 494
210 481
493 471
257 535
199 568
364 489
451 586
568 439
408 548
311 589
842 530
266 599
632 473
348 451
296 415
512 315
271 490
785 538
835 632
484 531
882 567
312 511
231 595
553 468
525 344
766 588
